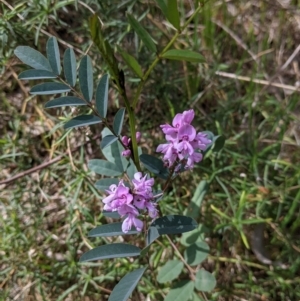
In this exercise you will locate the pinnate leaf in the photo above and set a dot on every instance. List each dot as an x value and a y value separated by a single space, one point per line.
108 140
104 184
113 229
53 55
36 74
102 95
183 55
116 250
155 165
32 58
205 281
127 284
49 88
82 120
65 101
70 66
118 121
142 33
152 235
86 77
104 167
113 152
169 271
174 224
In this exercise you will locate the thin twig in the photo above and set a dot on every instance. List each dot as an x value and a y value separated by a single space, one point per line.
45 164
257 81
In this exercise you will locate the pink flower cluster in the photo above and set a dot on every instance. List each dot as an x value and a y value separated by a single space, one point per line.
130 201
184 143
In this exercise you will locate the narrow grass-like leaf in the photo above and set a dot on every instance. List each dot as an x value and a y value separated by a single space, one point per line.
118 121
102 95
142 33
155 165
181 291
53 55
174 224
113 152
82 120
183 55
163 7
36 74
32 58
113 229
152 235
65 101
49 88
108 140
70 66
170 271
103 167
126 285
104 184
117 250
86 78
173 14
205 281
131 62
196 253
193 210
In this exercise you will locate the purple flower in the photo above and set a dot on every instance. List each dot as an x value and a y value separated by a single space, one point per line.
118 196
125 140
129 202
184 142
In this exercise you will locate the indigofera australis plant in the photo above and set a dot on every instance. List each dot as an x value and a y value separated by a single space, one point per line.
129 189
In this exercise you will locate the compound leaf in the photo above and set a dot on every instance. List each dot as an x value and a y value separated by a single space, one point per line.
126 285
49 88
53 55
102 95
65 101
174 224
116 250
104 167
82 120
32 58
118 121
113 229
36 74
86 77
70 66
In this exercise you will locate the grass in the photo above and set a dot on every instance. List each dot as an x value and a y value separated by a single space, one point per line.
46 215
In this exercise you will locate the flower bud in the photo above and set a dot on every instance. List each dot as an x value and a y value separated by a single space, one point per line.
126 153
125 140
138 137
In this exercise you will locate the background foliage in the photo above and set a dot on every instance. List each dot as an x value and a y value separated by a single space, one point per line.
46 215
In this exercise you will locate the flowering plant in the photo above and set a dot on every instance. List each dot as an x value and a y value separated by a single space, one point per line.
128 188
